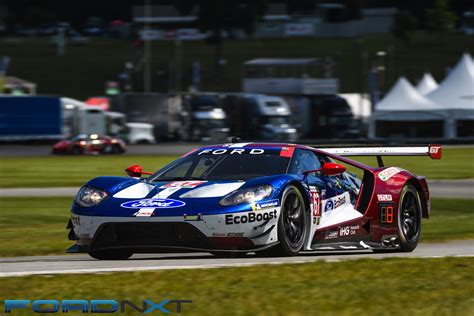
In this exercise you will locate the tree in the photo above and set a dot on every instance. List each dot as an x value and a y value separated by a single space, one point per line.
404 25
218 16
439 18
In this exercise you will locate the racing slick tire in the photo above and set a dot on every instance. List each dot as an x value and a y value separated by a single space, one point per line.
409 218
116 150
292 225
76 150
112 254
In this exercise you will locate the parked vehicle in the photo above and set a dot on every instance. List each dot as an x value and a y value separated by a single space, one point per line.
29 118
175 117
323 116
140 133
90 144
259 116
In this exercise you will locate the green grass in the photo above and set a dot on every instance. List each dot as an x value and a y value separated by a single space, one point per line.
442 286
83 70
36 225
57 171
54 171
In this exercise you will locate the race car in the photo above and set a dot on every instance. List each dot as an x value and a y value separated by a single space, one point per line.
90 144
270 199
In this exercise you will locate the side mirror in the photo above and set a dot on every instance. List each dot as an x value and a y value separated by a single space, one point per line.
332 169
136 171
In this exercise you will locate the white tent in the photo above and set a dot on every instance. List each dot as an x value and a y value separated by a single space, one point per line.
456 95
404 97
457 89
403 103
426 84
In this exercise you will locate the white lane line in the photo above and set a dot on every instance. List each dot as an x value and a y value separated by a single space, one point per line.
200 266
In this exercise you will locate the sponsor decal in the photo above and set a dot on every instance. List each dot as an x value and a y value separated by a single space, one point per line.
153 203
348 230
384 197
335 202
235 234
252 217
331 234
229 151
76 220
183 184
287 152
386 174
146 212
435 151
262 205
197 217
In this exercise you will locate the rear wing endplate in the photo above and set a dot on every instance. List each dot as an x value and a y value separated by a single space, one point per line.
434 151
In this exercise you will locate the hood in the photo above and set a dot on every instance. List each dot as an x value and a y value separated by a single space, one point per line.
133 197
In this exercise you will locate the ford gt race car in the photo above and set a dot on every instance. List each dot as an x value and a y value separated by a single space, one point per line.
271 199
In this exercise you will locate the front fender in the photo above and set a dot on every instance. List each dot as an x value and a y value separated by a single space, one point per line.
112 184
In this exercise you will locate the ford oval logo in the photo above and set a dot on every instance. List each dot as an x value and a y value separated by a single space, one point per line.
329 206
153 203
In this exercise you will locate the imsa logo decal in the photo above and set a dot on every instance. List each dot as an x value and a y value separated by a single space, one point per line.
153 203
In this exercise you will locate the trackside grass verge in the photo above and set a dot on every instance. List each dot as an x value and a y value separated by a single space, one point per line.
441 286
36 225
69 171
64 171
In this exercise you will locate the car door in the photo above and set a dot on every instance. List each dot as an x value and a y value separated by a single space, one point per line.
305 160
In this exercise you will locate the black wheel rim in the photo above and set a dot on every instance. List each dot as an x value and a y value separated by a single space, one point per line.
293 221
409 219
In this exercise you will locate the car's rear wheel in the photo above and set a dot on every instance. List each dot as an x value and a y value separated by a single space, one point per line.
110 254
116 149
292 224
409 218
76 150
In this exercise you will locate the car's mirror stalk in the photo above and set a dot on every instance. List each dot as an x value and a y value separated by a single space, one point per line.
136 171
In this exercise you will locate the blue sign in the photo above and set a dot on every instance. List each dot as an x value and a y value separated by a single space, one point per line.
153 203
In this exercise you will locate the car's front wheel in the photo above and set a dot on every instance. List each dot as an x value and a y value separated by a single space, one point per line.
110 254
292 224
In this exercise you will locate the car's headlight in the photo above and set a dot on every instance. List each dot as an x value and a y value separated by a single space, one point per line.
88 196
248 195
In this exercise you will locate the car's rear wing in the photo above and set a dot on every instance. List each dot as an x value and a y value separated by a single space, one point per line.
434 151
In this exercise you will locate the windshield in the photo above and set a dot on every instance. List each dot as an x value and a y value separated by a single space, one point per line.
211 124
274 120
225 164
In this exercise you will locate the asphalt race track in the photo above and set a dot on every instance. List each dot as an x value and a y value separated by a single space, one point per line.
438 188
68 264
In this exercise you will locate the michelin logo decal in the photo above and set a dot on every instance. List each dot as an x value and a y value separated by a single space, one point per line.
263 205
153 203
